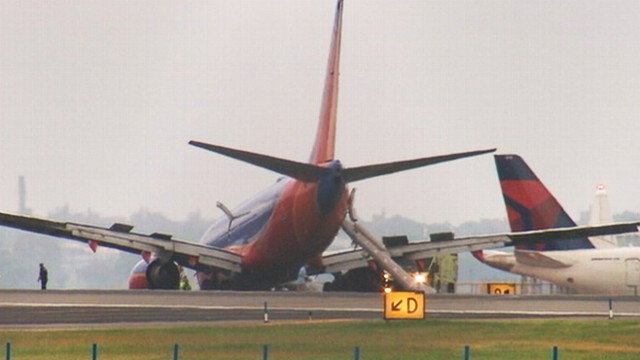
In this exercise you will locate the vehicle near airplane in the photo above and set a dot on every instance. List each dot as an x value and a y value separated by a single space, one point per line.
266 240
576 263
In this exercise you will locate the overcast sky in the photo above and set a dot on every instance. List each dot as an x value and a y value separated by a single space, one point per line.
98 100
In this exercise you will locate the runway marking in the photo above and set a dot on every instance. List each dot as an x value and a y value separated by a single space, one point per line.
195 307
514 313
534 313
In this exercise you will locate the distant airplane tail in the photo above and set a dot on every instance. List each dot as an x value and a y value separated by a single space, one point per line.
530 206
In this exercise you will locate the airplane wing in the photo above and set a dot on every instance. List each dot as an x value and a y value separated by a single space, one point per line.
446 243
198 256
119 236
540 259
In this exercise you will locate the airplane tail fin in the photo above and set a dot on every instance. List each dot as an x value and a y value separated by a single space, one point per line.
324 146
530 206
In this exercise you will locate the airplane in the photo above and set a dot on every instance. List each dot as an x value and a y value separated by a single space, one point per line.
579 264
266 240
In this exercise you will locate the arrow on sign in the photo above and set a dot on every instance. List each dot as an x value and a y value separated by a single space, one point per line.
412 305
404 305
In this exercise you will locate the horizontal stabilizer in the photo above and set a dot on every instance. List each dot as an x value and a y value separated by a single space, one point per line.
296 170
310 172
369 171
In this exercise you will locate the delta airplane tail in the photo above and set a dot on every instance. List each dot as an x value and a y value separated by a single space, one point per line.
530 206
579 263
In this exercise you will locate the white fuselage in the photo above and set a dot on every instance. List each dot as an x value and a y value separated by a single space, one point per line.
613 271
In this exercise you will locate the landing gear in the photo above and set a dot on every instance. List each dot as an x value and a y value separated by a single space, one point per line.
360 280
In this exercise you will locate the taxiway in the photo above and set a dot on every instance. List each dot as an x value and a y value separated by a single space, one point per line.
29 308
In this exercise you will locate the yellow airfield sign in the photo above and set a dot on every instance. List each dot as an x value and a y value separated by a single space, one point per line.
404 305
501 288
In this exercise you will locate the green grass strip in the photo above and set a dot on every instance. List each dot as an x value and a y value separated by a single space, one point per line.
432 339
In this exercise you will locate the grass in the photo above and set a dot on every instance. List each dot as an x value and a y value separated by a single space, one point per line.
428 339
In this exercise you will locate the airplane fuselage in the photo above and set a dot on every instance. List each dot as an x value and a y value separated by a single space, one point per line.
612 271
280 230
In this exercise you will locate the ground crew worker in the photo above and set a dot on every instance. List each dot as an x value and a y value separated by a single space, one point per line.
184 281
43 277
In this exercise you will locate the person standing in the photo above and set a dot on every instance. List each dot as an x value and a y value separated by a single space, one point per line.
43 277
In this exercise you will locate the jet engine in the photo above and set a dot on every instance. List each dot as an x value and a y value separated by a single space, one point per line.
158 274
163 275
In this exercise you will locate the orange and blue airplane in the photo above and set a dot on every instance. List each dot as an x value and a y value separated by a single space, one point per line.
266 240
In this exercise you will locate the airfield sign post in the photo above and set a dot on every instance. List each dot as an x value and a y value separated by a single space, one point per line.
404 305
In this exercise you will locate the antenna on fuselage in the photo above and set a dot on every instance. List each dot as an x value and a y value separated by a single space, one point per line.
229 214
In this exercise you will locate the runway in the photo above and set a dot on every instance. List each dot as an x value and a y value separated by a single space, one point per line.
79 308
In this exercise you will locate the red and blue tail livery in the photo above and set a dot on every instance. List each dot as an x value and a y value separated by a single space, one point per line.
571 262
530 206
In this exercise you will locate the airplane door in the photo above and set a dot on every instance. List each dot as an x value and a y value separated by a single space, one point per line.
633 273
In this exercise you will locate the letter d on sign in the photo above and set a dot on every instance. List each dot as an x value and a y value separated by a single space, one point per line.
412 305
404 305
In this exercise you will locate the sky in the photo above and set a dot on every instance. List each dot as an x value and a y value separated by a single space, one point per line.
98 100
